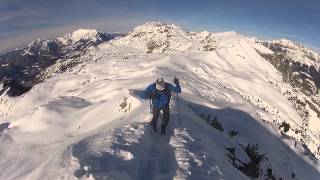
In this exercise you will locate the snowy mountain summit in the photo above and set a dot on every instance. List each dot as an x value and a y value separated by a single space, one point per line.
249 109
91 35
84 34
155 37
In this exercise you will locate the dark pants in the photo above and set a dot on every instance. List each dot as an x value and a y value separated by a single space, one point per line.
156 113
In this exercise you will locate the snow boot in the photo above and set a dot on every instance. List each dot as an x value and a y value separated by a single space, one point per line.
154 127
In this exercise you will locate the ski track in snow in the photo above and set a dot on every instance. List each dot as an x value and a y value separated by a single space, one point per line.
83 124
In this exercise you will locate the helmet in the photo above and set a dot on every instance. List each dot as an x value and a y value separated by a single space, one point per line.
160 84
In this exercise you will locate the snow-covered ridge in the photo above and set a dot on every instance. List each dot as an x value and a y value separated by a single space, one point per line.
294 51
73 37
29 65
80 37
83 123
151 27
91 35
84 34
39 46
156 37
299 65
80 34
287 43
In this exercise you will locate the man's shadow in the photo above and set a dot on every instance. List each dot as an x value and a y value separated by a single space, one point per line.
154 157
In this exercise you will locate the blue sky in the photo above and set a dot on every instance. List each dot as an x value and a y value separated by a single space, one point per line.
24 20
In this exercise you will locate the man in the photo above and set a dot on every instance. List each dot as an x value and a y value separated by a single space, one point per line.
160 94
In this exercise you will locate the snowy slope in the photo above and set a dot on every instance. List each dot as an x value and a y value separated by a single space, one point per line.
297 52
84 124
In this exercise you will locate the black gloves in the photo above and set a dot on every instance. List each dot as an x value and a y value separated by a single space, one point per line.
176 81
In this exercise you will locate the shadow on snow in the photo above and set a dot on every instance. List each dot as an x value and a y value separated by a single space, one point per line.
251 129
155 158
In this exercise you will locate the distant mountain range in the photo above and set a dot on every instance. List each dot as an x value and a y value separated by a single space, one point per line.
20 68
250 108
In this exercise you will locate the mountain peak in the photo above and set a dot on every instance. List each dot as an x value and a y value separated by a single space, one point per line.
80 34
156 27
287 43
157 37
35 42
38 46
84 34
157 24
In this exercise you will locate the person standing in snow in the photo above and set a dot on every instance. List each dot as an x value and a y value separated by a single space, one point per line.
160 94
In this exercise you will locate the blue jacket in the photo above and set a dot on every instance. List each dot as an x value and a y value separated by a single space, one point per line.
161 98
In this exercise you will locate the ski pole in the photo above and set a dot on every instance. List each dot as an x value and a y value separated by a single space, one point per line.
150 107
179 111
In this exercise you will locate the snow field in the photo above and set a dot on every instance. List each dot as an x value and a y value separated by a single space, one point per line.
84 124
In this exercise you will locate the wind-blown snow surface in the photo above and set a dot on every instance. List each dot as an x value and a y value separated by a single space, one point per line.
85 124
